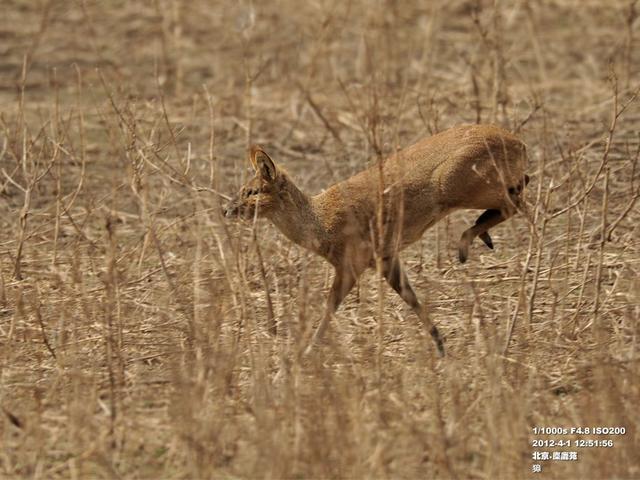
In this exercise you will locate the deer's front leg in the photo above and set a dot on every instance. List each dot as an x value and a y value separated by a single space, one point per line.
397 278
343 282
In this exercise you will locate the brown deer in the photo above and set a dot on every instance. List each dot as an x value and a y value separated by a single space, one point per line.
381 210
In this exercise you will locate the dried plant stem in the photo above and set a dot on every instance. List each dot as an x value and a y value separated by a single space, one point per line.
177 41
634 193
532 28
615 115
110 349
3 288
378 242
602 243
213 161
316 109
631 16
271 319
539 252
37 310
585 281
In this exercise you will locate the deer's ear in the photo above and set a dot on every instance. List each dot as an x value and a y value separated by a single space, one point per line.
263 164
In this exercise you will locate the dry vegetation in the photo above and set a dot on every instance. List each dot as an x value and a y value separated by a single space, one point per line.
134 319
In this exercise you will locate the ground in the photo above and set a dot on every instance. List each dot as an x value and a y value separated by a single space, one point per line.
134 318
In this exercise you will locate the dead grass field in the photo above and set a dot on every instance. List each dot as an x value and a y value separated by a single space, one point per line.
133 317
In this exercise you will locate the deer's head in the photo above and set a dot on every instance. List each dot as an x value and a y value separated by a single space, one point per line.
260 193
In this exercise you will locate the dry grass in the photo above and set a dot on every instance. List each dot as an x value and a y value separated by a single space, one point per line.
133 318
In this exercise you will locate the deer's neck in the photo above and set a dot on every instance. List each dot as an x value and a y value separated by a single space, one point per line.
299 221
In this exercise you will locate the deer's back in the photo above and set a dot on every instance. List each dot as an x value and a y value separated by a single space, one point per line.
469 166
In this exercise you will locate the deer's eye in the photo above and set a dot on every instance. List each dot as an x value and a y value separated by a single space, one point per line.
252 191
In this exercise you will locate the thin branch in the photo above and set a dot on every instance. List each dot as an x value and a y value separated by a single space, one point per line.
608 142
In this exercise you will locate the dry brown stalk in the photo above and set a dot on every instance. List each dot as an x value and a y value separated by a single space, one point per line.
616 113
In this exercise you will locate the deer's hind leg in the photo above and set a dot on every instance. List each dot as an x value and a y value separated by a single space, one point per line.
489 219
397 278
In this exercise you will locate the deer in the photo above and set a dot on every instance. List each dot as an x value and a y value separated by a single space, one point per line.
375 214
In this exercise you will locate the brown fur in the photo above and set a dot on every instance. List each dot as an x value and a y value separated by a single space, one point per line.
465 167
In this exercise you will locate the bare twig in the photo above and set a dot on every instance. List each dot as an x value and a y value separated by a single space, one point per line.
616 114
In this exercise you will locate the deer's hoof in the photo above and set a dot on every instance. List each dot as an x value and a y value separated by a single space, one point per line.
435 334
487 240
463 253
